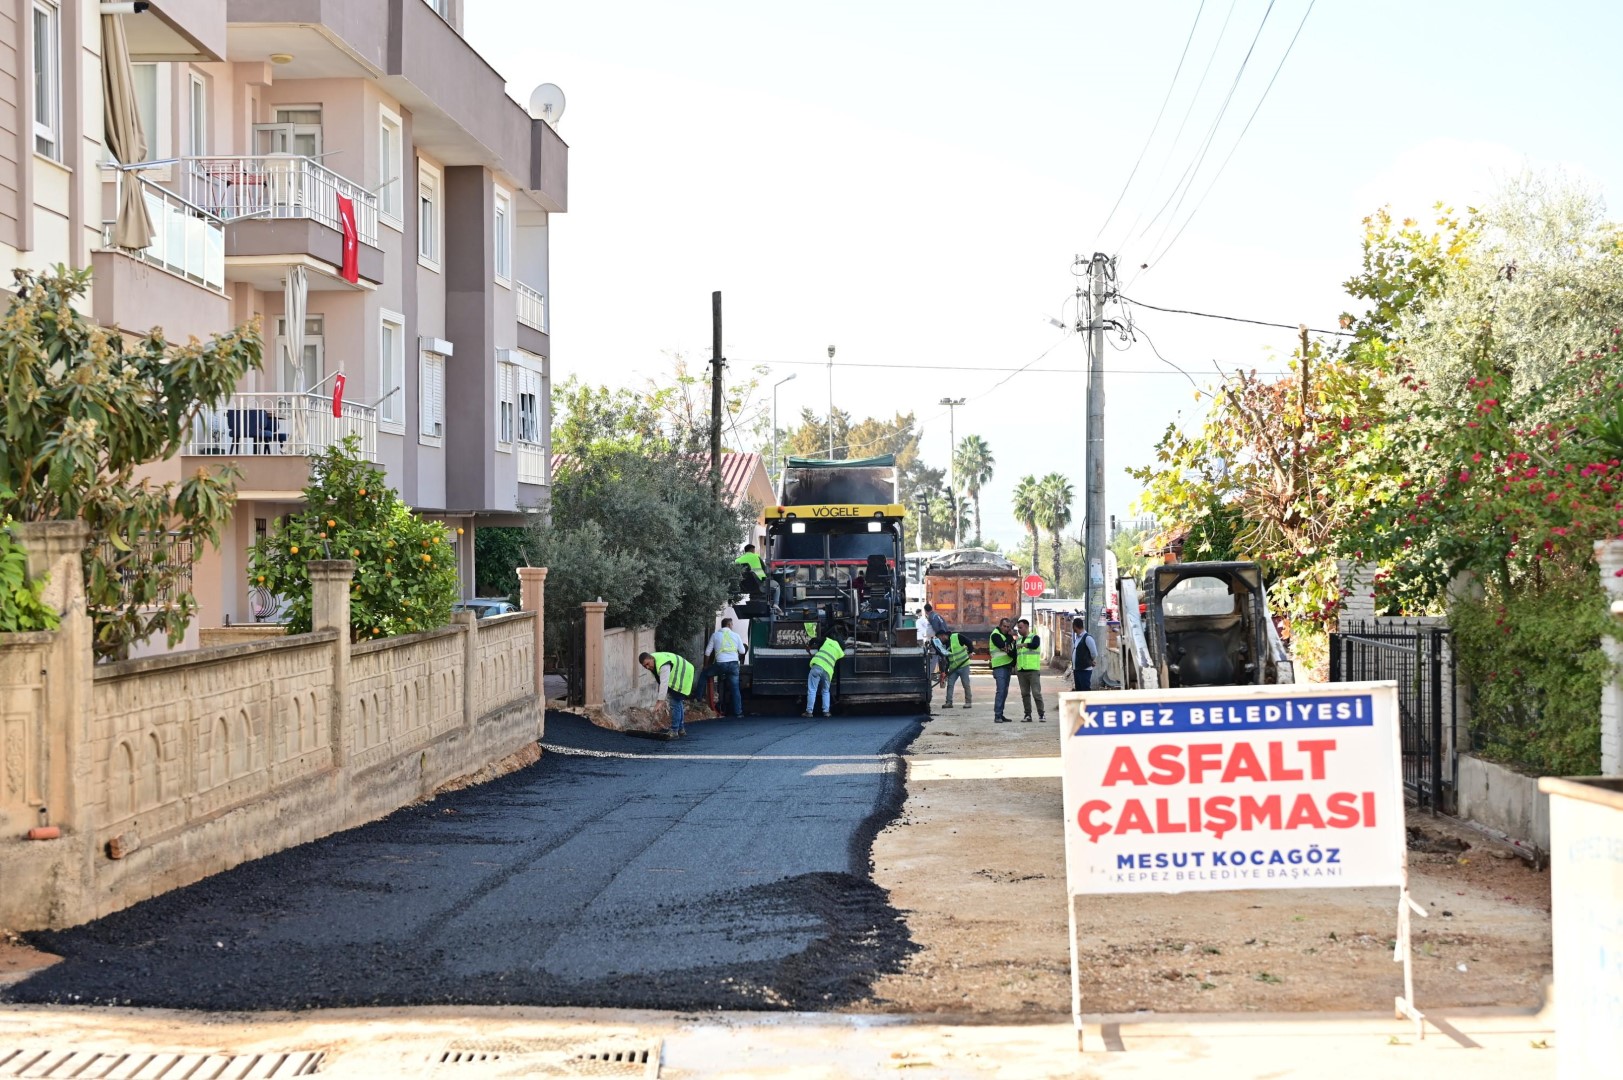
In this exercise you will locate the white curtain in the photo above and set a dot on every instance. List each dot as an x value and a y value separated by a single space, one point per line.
295 302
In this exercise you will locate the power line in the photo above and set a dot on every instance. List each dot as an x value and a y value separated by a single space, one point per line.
1187 181
1232 318
1139 331
1187 113
1155 126
1157 258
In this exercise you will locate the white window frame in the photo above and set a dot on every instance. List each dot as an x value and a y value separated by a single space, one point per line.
392 373
506 403
391 181
314 339
502 244
530 384
158 139
47 130
442 8
430 199
431 405
197 115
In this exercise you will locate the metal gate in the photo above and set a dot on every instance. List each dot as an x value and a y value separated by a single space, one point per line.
1420 658
574 661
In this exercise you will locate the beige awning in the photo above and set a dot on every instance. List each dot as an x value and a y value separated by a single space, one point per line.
125 139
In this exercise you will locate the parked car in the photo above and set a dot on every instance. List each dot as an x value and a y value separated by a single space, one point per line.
484 607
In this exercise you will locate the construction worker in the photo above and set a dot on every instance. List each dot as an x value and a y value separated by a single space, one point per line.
675 674
957 666
725 650
826 654
755 574
1002 649
1028 666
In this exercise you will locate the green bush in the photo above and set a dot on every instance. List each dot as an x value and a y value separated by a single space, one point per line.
21 609
405 565
1537 670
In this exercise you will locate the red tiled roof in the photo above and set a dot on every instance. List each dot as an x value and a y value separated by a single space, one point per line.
736 472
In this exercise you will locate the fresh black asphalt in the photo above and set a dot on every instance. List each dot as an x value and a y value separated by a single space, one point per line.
728 869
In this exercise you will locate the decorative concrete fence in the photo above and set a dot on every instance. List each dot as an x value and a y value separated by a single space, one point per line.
163 770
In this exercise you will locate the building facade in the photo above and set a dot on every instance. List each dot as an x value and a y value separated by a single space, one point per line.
271 128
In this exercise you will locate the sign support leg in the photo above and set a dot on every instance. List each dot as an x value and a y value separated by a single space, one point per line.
1076 973
1404 953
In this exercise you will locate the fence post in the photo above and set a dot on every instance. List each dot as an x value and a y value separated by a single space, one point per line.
472 680
533 597
329 610
1335 657
1609 553
594 611
55 550
1435 661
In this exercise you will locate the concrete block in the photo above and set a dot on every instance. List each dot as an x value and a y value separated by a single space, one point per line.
1504 800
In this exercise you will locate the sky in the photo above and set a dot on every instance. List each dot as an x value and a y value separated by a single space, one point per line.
911 182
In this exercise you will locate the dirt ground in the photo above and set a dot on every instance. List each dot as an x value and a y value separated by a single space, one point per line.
978 864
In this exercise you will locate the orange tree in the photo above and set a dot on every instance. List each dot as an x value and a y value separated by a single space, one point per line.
405 565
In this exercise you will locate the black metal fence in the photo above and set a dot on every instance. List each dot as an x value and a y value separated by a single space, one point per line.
143 555
1420 658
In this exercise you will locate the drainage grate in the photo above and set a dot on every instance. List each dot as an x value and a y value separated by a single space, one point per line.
550 1057
59 1064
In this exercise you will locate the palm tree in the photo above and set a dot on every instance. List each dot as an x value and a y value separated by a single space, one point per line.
1054 498
973 463
1027 495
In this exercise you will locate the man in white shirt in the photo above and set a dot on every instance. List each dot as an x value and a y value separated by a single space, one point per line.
726 650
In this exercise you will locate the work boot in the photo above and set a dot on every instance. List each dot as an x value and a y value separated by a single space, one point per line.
966 704
805 716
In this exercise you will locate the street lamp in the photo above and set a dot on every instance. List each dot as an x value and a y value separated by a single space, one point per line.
952 459
831 403
775 473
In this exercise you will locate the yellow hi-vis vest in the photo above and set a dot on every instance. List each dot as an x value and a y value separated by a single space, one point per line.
681 677
753 561
1031 654
957 652
999 642
827 655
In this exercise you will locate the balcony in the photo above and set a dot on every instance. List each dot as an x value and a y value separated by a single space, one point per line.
531 305
277 186
532 463
260 425
187 240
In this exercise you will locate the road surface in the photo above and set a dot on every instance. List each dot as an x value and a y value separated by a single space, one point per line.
728 869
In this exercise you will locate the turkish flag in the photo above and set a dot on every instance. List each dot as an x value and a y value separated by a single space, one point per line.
351 269
338 395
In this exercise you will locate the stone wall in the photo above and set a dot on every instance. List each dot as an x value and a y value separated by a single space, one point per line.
625 682
163 770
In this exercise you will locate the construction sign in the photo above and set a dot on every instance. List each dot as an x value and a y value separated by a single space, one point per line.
1244 787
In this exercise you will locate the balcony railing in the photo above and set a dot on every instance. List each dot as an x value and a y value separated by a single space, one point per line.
253 425
532 464
276 186
187 240
532 306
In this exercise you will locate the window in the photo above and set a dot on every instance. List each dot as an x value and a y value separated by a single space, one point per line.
197 131
297 131
306 375
152 106
428 214
392 371
506 379
529 405
47 80
390 194
431 394
504 237
442 8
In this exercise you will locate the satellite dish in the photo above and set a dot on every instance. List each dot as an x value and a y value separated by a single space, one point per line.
547 103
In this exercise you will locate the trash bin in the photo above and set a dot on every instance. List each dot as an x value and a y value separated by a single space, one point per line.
1586 883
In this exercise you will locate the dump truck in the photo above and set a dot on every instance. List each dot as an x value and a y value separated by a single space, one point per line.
1200 624
836 548
972 589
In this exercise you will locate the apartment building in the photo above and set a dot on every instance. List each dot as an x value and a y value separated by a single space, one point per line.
272 128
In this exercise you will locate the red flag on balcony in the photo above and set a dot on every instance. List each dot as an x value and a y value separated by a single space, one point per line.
338 395
351 269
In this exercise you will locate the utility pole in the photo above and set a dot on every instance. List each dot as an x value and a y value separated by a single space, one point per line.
715 390
1100 267
952 460
831 403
